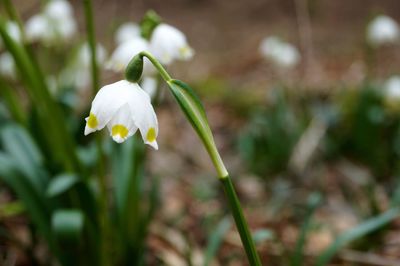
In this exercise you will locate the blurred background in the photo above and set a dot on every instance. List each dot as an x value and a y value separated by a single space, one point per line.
307 121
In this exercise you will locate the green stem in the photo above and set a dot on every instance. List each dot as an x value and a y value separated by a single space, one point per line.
13 102
164 74
229 189
90 31
12 13
240 221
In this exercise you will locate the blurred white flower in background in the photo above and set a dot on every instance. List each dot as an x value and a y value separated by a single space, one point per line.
124 108
7 66
167 44
126 32
12 30
149 85
79 72
281 53
123 54
382 30
392 88
56 24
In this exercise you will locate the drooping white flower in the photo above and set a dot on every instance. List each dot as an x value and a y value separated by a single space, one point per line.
123 54
7 66
84 55
149 85
392 88
37 28
13 31
54 25
58 9
124 108
382 30
167 44
126 32
279 52
78 73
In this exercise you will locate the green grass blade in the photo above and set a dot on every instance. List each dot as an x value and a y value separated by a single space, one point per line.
215 239
361 230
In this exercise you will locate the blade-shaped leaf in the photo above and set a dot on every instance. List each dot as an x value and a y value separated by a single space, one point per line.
67 226
361 230
21 147
60 184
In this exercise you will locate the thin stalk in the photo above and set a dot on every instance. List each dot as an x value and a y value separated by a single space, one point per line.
90 31
229 189
13 103
12 13
164 74
240 221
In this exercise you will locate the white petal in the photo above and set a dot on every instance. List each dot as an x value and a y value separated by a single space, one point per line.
144 116
123 54
149 85
126 32
168 43
57 9
382 29
7 65
36 28
107 102
121 126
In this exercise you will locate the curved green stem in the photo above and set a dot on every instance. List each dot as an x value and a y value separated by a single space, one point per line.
164 74
195 113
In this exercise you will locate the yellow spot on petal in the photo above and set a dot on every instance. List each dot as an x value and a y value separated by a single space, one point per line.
151 135
185 51
120 130
92 121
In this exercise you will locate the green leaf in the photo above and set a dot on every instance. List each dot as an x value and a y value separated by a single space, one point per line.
215 239
67 226
313 202
20 146
195 113
33 201
61 184
361 230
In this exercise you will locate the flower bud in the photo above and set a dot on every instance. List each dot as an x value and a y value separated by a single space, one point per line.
134 70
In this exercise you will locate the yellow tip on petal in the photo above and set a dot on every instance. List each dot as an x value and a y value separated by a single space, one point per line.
92 121
119 130
151 135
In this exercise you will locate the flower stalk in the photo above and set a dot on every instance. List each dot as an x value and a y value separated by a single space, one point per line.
90 31
194 111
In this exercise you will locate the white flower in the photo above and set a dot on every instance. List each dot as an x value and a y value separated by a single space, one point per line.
54 25
124 108
58 9
168 44
279 52
13 31
149 85
78 73
123 54
126 32
84 55
392 88
382 30
7 66
37 28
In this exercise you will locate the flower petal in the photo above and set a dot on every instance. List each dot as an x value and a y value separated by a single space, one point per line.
106 103
144 116
121 126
